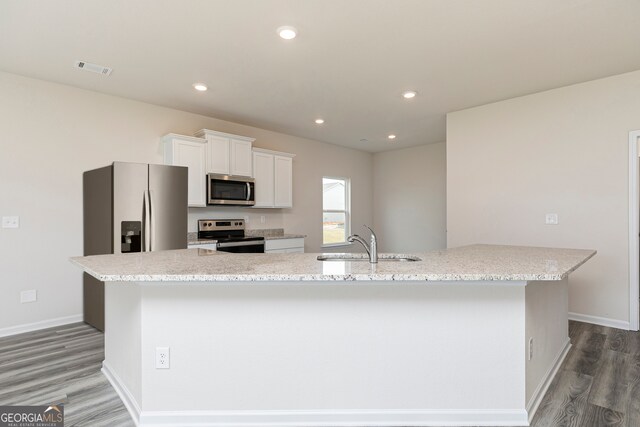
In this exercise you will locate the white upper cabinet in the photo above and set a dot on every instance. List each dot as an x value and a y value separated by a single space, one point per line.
218 155
227 154
273 173
263 174
240 160
283 181
181 150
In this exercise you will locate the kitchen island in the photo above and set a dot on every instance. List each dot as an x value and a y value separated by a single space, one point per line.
466 336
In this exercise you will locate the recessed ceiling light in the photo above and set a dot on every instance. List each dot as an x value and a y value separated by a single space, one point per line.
200 87
287 32
319 121
409 94
392 137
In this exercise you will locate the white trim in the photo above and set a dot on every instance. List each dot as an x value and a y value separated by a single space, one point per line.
275 153
538 394
36 326
202 133
171 136
124 393
314 418
634 231
603 321
336 418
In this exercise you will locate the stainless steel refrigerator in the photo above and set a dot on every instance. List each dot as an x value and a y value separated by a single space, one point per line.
130 207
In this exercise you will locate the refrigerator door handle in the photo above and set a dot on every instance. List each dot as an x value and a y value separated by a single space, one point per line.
146 220
152 223
248 191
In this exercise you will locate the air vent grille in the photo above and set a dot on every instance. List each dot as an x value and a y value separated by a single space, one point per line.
94 68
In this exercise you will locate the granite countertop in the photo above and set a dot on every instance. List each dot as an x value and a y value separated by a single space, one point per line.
272 234
468 263
285 236
196 241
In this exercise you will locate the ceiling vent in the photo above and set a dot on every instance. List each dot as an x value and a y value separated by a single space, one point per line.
94 68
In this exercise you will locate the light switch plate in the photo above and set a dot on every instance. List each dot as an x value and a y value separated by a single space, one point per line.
10 222
28 296
551 219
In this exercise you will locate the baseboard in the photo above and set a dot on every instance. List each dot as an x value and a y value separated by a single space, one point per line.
126 396
313 418
336 418
602 321
543 386
36 326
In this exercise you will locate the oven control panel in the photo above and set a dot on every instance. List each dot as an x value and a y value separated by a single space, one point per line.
220 225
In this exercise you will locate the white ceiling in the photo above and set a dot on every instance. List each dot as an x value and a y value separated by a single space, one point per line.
349 64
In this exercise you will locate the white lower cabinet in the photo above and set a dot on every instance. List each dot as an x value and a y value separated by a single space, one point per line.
273 174
210 246
293 245
181 150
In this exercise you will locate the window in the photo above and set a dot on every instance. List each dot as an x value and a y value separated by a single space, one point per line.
335 211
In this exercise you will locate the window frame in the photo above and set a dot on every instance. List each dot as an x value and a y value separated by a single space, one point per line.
346 211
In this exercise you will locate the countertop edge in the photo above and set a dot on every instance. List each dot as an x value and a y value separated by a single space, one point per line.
363 276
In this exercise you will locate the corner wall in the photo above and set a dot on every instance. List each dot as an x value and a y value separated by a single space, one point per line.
563 151
51 133
409 198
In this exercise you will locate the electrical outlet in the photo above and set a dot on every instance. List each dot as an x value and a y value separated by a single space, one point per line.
10 222
263 219
530 348
551 219
28 296
162 357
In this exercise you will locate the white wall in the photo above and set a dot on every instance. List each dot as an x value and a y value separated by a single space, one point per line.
409 200
563 151
51 133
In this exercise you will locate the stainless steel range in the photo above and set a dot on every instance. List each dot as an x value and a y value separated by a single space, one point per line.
230 235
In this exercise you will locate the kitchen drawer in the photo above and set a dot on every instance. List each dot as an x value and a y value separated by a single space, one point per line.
276 244
210 246
285 251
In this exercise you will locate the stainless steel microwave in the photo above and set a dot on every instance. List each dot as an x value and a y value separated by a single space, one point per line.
230 190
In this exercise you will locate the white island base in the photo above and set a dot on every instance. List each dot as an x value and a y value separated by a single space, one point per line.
358 353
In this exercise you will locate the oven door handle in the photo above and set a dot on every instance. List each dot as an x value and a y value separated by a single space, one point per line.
248 191
233 244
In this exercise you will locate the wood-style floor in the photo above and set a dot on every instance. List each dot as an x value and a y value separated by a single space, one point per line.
61 365
598 384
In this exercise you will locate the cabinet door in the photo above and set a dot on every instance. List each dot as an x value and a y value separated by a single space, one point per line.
192 155
218 157
295 250
293 244
240 157
283 182
263 174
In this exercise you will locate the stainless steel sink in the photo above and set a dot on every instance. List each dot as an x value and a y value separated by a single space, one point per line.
365 257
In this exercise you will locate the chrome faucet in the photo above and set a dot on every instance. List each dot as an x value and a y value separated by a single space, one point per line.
372 248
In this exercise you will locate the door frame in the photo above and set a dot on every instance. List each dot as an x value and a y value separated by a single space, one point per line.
634 232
